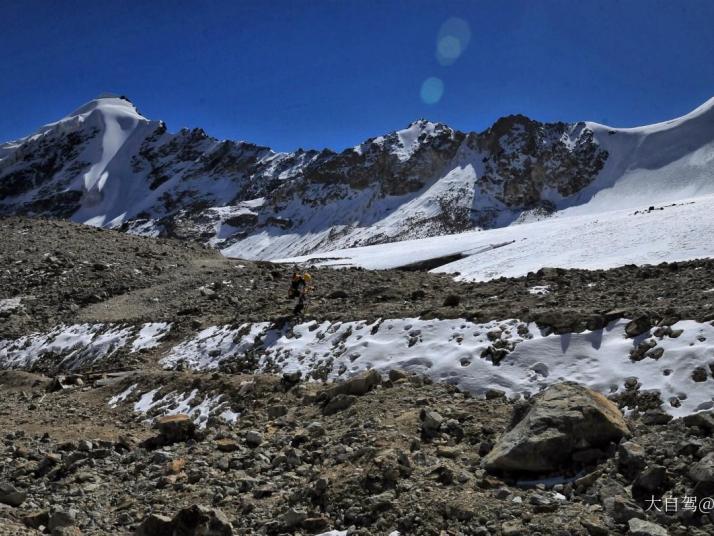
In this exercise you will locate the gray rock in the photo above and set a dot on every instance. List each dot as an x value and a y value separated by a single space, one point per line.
338 403
155 525
396 375
176 428
277 411
702 473
431 422
703 419
639 527
62 518
564 418
651 481
630 458
638 326
622 509
357 386
201 520
11 496
253 438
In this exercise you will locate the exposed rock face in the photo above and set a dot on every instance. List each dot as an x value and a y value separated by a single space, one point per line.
563 421
523 157
191 185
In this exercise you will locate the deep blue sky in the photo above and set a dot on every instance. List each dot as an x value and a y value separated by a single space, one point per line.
319 73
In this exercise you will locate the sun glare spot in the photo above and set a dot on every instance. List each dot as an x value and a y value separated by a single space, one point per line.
432 90
453 38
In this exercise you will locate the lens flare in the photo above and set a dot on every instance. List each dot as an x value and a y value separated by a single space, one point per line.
453 38
432 90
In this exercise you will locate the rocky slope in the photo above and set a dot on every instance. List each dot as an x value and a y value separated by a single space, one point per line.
111 424
398 456
107 165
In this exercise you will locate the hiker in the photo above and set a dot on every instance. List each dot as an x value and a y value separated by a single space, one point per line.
298 289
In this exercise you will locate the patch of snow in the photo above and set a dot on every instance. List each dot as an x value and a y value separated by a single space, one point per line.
213 344
146 402
231 417
78 344
175 403
598 241
539 290
150 335
115 400
449 351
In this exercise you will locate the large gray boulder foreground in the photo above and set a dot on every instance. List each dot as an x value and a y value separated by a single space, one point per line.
564 419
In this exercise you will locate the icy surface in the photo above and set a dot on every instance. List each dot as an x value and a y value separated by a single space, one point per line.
450 351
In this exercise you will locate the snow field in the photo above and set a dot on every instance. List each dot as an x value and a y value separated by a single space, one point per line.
591 241
450 351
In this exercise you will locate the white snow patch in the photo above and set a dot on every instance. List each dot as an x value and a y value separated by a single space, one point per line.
76 345
229 416
10 305
589 241
150 335
175 403
449 351
115 400
79 344
539 290
213 344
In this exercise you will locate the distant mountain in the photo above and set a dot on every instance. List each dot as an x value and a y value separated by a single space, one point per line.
107 165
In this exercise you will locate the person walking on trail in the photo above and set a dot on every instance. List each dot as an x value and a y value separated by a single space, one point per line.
299 287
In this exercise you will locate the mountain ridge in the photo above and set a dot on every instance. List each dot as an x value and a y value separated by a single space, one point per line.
107 165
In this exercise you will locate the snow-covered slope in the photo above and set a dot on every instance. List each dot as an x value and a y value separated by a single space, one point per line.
659 163
107 165
673 232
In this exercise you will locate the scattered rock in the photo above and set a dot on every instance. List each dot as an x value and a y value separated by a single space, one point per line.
638 326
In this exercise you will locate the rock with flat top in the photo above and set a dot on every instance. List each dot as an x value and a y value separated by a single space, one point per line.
176 428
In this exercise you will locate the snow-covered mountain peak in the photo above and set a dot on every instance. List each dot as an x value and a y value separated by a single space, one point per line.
108 104
106 164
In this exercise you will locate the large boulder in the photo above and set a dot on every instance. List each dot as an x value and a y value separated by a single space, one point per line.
195 520
563 420
10 495
355 386
176 428
702 473
202 520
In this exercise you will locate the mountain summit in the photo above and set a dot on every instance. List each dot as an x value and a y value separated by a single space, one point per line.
107 165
